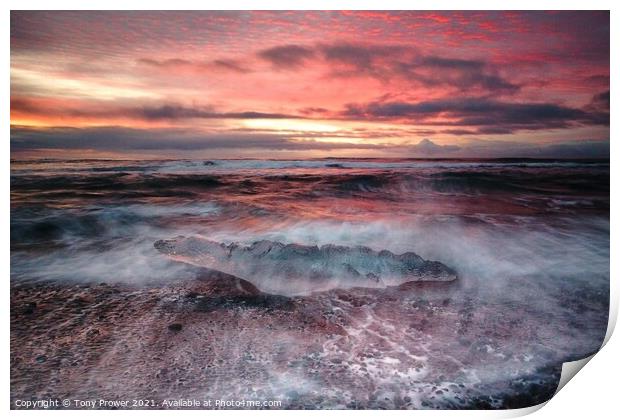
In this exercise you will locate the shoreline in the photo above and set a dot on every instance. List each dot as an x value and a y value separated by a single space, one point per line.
219 337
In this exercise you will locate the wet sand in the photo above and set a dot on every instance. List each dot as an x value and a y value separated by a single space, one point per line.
219 337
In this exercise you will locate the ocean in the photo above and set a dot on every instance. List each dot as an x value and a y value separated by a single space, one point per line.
527 239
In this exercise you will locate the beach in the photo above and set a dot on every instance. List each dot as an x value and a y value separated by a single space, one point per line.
326 283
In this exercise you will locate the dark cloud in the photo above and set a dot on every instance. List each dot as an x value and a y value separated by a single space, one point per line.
490 116
386 62
175 63
233 65
127 139
596 80
287 56
175 112
172 62
601 101
452 63
456 72
459 132
391 61
149 113
313 111
496 130
363 58
120 139
170 112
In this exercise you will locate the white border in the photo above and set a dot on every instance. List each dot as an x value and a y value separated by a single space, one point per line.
593 394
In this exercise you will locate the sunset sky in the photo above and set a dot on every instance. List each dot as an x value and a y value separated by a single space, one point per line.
309 84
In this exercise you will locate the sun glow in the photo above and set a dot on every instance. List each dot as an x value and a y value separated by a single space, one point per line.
48 83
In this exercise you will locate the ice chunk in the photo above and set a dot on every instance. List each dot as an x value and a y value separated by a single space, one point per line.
293 268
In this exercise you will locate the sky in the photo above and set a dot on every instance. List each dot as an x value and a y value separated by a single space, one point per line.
298 84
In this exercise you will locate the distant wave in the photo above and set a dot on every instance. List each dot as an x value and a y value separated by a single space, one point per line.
552 180
209 166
